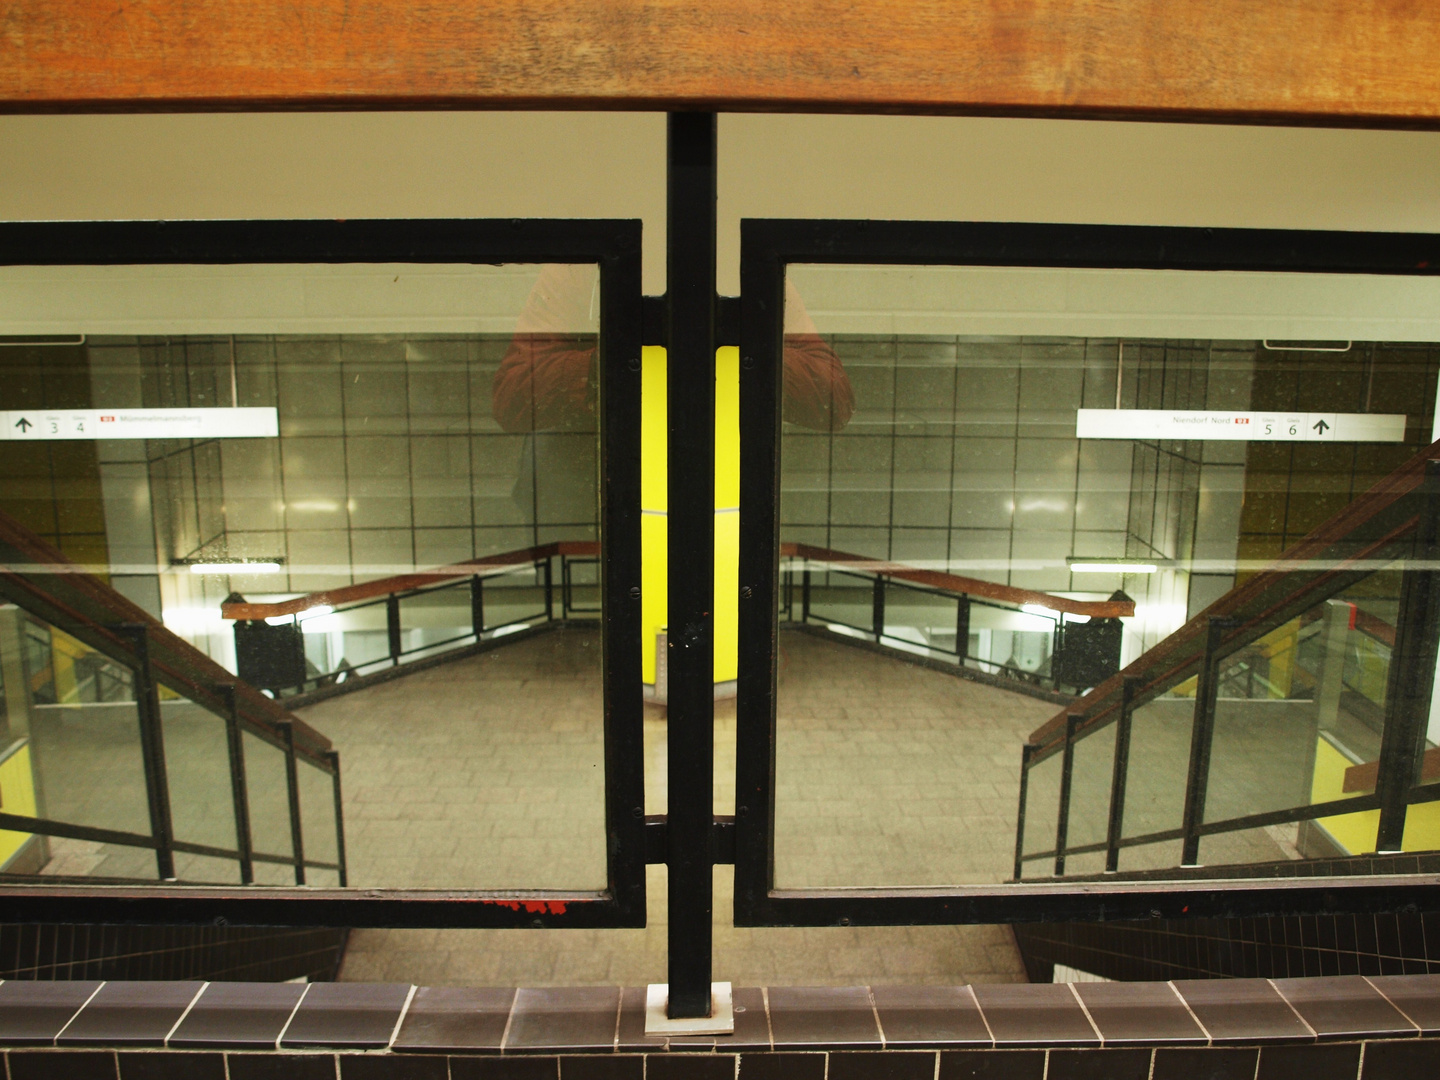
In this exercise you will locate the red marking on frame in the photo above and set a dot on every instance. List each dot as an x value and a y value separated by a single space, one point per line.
1242 420
531 907
107 419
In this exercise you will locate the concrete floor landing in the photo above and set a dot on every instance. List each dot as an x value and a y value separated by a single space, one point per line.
486 772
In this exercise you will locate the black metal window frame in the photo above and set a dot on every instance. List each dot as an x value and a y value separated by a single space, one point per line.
767 248
613 245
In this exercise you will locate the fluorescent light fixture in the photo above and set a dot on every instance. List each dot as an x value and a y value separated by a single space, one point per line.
235 568
1113 567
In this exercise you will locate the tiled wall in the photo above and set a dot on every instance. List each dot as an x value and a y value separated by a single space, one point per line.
1292 487
962 455
53 489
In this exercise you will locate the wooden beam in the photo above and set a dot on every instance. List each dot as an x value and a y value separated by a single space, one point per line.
1334 62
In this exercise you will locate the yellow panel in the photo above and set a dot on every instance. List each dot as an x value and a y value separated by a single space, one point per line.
17 796
653 411
727 511
653 503
654 565
1354 832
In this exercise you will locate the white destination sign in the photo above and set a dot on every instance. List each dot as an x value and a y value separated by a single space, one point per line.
1239 426
53 424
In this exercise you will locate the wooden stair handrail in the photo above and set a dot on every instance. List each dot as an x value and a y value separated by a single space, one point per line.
368 590
954 583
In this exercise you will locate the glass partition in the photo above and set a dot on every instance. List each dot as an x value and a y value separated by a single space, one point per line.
1000 487
308 476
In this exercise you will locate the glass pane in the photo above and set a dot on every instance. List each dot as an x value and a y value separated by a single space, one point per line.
89 768
1091 777
1303 698
435 620
197 764
1160 733
269 460
1089 459
268 788
1042 812
317 814
1160 856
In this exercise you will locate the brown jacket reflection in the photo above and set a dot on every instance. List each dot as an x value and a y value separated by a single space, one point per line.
547 380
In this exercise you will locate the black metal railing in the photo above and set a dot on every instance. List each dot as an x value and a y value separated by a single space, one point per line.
328 642
932 615
118 731
1300 698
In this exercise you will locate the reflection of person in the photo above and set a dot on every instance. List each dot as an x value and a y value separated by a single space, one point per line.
547 380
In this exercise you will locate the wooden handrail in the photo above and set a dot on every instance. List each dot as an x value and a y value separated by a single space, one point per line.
1290 61
42 577
954 583
368 590
1103 699
1363 777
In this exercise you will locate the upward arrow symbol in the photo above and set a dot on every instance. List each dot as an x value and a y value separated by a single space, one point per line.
23 424
1321 427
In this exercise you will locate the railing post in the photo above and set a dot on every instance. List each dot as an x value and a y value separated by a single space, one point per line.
1412 671
292 785
1119 776
152 750
1202 734
549 591
962 629
1062 819
690 291
238 792
1027 751
805 594
477 605
392 627
877 607
333 756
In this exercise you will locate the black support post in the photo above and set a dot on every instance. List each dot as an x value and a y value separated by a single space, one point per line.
1119 775
333 756
805 594
152 750
1202 735
1067 769
962 629
238 791
690 268
392 626
1026 752
1412 672
877 608
549 591
477 605
292 787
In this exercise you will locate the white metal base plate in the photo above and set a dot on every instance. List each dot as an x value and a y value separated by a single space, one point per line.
721 1020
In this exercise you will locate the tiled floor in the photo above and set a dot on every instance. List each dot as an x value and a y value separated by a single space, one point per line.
486 773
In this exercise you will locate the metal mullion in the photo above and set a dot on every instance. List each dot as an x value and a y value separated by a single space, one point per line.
292 785
477 605
1202 734
152 749
690 261
877 607
392 628
1411 674
343 867
1120 774
1062 817
1026 750
239 794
